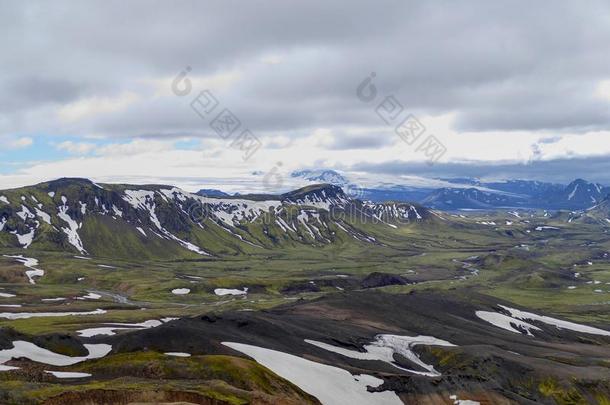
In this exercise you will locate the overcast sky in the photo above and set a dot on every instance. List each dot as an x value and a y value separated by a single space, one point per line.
510 89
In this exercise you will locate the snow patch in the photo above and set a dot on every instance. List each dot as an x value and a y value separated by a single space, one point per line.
111 329
544 228
506 322
38 354
558 323
457 401
27 315
177 354
229 291
117 211
71 230
384 347
7 368
25 213
330 385
67 374
44 216
573 193
29 263
90 296
25 240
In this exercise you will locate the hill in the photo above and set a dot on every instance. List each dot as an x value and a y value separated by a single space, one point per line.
150 221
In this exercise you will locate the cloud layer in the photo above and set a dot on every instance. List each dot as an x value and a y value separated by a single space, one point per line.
537 72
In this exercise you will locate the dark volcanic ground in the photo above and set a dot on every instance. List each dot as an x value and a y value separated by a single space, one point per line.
489 364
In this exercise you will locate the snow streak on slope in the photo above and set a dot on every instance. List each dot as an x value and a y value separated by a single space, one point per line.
72 228
516 322
558 323
144 199
331 385
506 322
29 263
310 215
384 347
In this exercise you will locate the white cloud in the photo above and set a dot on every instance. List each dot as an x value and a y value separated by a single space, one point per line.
272 59
492 84
217 81
93 106
135 148
603 90
76 148
20 143
216 165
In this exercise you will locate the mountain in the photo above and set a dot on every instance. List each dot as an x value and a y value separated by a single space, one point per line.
598 214
395 193
472 193
210 192
463 181
578 195
320 176
533 189
158 221
471 198
581 193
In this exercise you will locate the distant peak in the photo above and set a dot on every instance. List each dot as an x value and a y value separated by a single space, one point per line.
322 190
204 192
320 176
68 181
579 181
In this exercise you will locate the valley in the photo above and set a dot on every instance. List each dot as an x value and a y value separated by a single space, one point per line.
206 299
305 203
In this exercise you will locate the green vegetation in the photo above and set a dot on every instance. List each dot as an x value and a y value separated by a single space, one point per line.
565 273
561 395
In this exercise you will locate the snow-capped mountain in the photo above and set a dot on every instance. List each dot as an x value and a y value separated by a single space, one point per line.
321 176
531 188
210 192
472 198
581 193
578 195
472 193
124 220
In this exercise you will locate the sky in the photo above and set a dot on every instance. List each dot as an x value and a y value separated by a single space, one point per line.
230 94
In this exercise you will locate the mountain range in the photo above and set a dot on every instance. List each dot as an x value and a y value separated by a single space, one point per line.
150 221
84 217
466 193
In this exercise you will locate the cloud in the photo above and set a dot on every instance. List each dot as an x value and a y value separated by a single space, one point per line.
358 142
76 148
20 143
492 65
603 90
95 106
510 81
136 147
562 171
